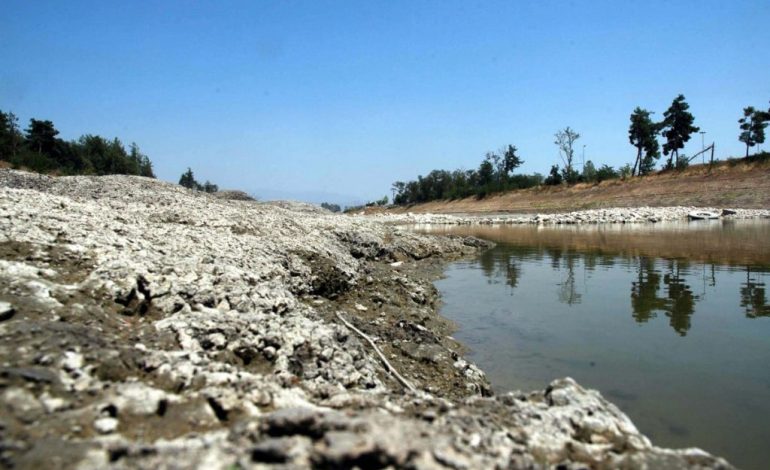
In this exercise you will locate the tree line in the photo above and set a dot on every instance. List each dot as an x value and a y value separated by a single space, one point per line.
496 171
38 148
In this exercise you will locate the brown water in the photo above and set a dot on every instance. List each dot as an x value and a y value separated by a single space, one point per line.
669 321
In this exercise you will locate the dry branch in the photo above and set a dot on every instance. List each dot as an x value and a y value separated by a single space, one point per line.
388 366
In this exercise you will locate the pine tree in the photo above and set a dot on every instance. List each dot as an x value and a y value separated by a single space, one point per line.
642 134
752 125
188 180
677 128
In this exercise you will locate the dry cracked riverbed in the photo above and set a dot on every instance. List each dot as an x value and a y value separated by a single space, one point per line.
146 326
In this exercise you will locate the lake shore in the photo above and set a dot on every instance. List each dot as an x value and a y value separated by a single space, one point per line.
145 325
624 215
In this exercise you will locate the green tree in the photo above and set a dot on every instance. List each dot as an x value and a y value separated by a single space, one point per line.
486 172
565 140
208 187
141 161
642 134
511 161
10 137
41 137
606 172
188 180
554 177
677 127
752 125
589 172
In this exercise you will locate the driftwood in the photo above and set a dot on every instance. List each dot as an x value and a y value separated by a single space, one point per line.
388 366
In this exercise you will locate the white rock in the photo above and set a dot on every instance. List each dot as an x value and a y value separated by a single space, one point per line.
106 425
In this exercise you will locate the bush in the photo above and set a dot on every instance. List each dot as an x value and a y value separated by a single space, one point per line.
589 172
606 172
625 171
331 207
758 157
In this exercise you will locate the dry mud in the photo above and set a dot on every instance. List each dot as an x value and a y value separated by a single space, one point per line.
146 326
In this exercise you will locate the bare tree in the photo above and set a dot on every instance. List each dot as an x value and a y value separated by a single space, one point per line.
565 140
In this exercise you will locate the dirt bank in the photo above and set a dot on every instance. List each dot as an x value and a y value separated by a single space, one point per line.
144 325
727 185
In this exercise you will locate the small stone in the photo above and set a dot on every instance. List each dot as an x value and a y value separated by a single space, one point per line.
6 311
23 404
344 446
53 404
214 341
72 361
138 398
361 308
269 353
106 425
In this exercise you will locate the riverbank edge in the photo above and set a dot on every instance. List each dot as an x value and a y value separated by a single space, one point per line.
619 215
102 368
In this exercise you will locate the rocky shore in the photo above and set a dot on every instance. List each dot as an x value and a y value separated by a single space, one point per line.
592 216
146 326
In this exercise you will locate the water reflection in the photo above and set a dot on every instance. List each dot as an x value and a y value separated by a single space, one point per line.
658 287
568 293
663 275
753 297
669 321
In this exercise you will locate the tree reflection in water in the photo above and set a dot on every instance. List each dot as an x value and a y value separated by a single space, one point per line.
659 285
568 294
681 301
644 292
495 265
753 297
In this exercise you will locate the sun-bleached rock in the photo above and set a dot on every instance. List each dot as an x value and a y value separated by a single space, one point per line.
162 327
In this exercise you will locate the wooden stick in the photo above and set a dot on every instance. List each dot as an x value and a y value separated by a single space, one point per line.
390 368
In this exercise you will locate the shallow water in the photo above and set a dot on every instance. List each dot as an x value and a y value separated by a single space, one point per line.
669 321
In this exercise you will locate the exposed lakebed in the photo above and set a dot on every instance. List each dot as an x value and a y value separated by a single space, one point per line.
670 321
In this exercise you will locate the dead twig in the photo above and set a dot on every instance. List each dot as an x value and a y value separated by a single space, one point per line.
389 367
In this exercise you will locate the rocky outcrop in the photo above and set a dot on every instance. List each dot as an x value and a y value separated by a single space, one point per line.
144 325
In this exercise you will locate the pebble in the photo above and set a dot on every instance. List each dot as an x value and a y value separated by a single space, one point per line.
106 425
6 311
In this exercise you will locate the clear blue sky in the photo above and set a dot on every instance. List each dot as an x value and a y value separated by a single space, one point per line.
347 97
